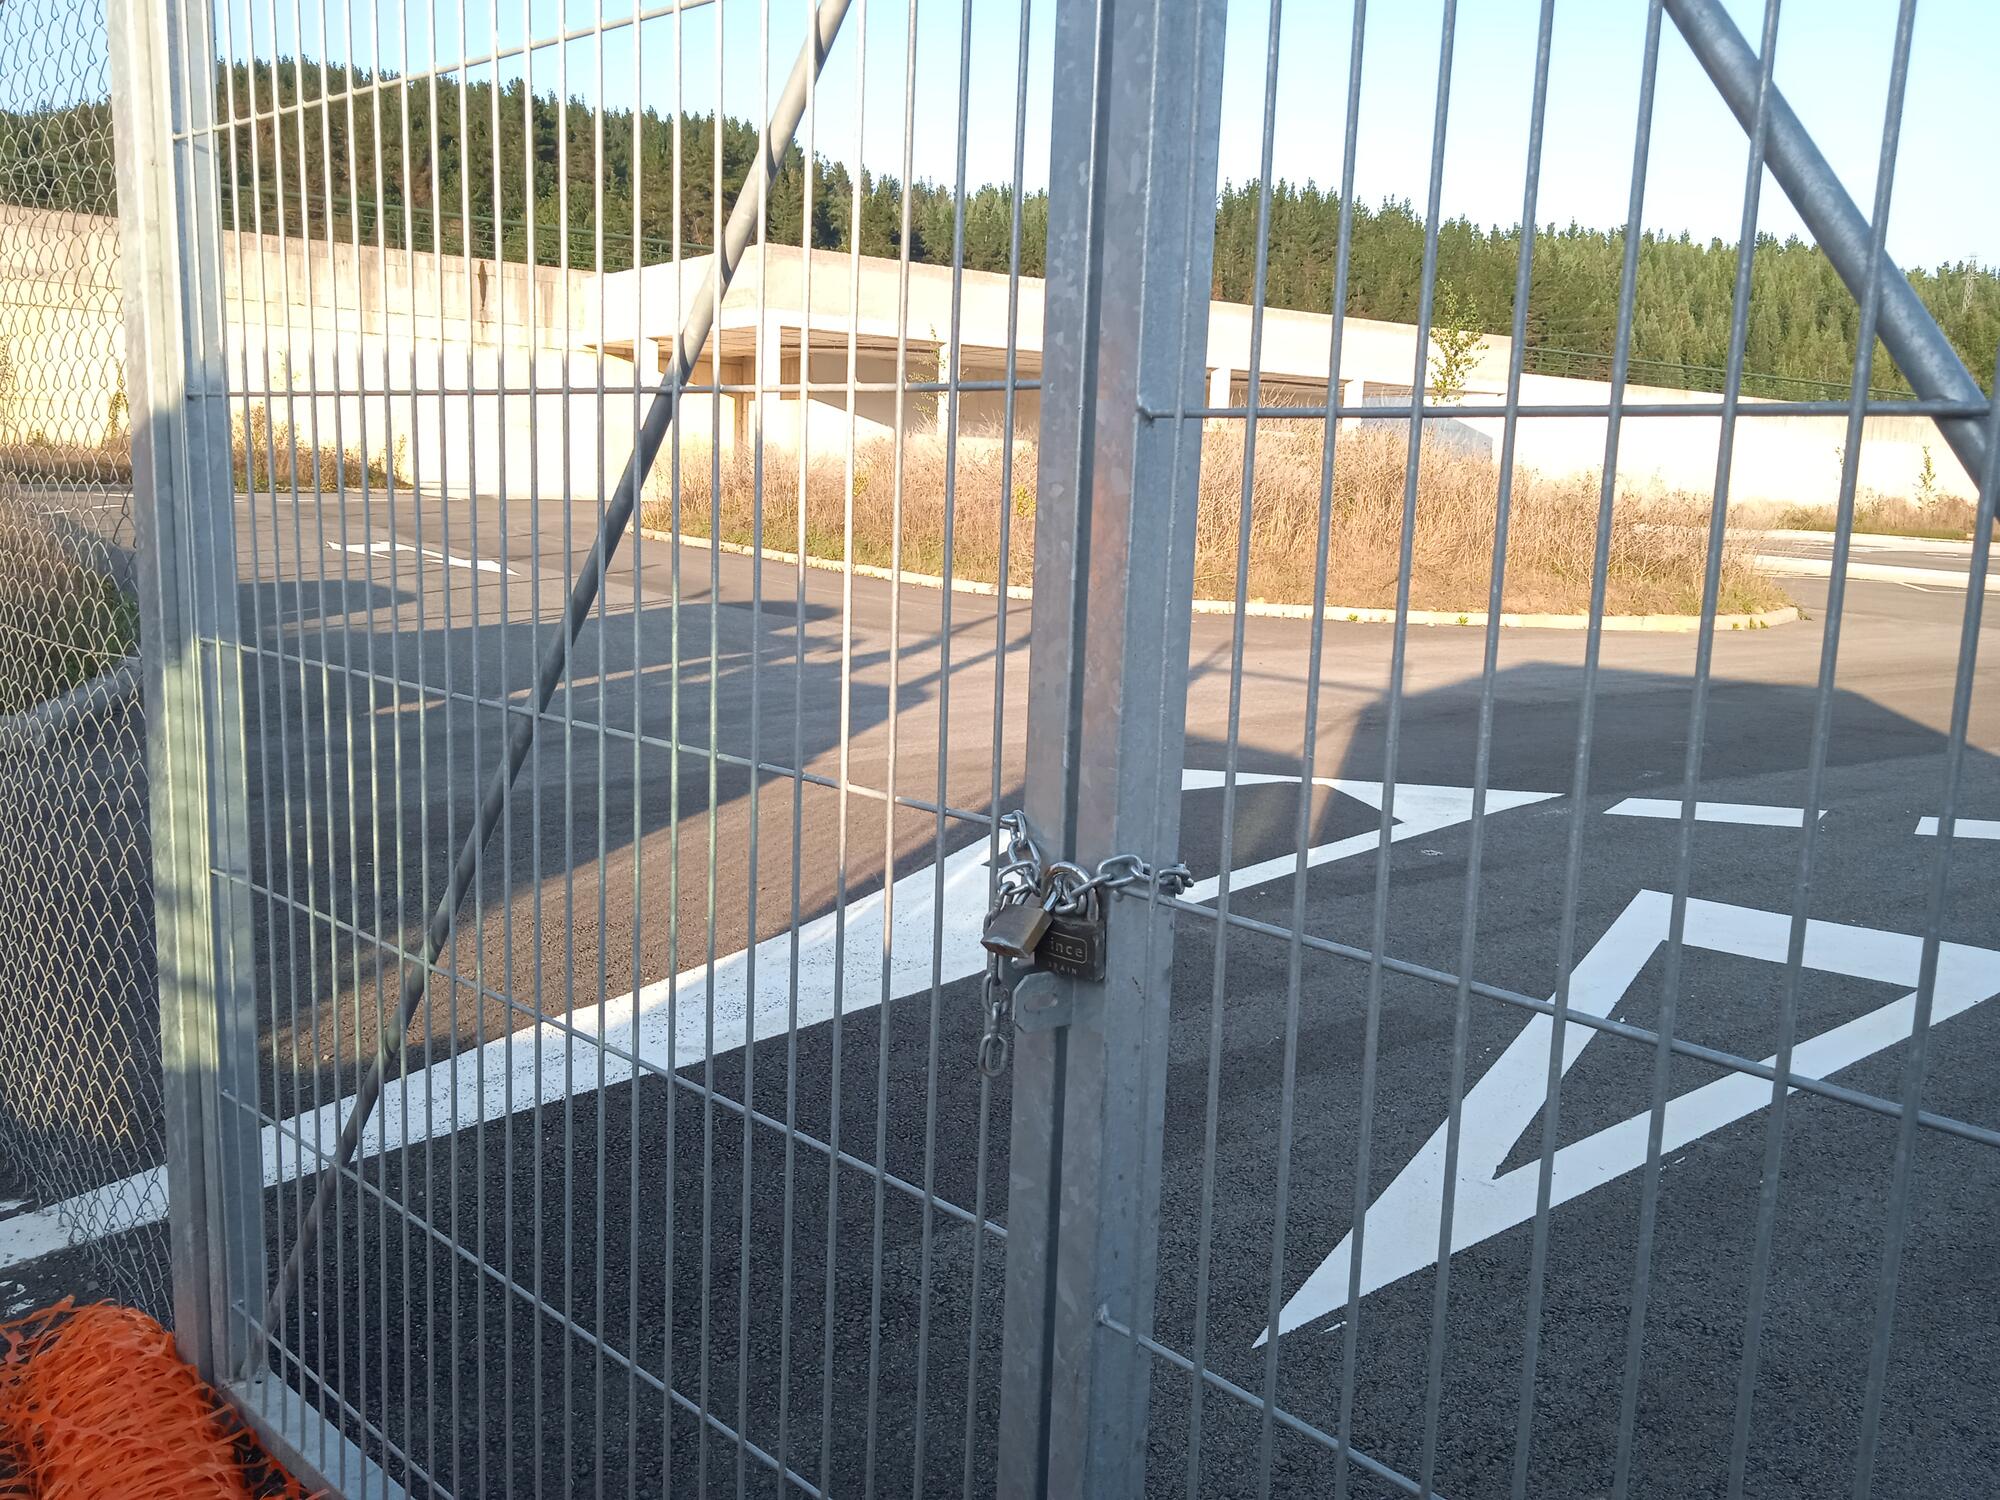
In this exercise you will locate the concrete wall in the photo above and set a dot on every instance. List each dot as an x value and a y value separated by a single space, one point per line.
332 315
62 330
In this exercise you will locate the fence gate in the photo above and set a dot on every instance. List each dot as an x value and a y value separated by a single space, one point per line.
627 591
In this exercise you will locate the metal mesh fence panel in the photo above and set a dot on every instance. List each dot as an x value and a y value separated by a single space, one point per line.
81 1128
1477 1060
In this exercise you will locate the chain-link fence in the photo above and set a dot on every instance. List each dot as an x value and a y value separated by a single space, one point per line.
81 1127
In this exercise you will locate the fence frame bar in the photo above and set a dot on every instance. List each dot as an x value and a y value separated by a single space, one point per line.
1136 104
183 497
1922 352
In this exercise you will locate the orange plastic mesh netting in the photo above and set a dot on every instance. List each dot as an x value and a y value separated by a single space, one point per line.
93 1402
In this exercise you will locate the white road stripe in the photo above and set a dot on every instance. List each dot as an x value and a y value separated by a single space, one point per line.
1820 567
667 1023
449 559
1962 828
1757 814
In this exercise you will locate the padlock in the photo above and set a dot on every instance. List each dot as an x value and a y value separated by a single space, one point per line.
1073 942
1014 930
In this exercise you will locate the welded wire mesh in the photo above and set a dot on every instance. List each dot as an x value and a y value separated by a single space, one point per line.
622 773
81 1124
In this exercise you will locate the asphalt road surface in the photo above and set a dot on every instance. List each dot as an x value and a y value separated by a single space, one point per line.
535 1243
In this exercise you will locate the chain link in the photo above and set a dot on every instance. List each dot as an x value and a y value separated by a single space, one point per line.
1022 875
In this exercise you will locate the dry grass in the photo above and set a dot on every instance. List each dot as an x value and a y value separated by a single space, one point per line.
1658 545
62 621
268 457
1945 516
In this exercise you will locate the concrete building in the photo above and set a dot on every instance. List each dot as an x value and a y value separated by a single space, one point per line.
495 376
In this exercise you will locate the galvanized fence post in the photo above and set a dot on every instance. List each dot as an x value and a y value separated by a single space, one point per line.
162 102
1137 91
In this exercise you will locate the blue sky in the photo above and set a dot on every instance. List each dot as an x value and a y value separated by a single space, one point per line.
1833 60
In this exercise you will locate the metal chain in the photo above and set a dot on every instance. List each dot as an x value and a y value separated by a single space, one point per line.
1022 875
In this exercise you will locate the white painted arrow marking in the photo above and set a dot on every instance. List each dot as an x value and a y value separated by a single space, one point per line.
449 559
1420 808
666 1023
1404 1221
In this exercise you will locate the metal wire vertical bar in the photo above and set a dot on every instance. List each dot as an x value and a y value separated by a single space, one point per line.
233 1177
763 379
240 1344
449 955
501 383
472 501
305 814
709 885
326 709
1483 751
1697 737
382 918
407 162
568 766
273 1333
283 715
1902 1181
942 773
638 769
257 617
1288 1069
1580 783
368 573
1398 655
892 723
1002 577
1771 1182
679 378
798 760
846 751
602 105
1913 1069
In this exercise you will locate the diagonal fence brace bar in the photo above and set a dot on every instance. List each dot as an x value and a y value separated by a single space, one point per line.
652 434
1907 328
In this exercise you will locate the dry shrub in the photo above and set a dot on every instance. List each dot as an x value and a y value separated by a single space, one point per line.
1658 544
62 620
1946 516
270 457
975 542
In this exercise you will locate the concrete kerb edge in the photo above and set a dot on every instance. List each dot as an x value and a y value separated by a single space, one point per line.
1259 609
114 686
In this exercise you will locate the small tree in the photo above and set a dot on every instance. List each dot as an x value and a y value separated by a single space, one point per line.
1927 487
1455 340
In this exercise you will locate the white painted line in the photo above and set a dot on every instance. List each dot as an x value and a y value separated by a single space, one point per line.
1405 1220
1420 808
1821 567
449 559
1756 814
1962 828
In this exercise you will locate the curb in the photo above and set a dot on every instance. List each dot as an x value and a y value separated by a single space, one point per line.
109 689
1821 567
1882 540
1260 609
